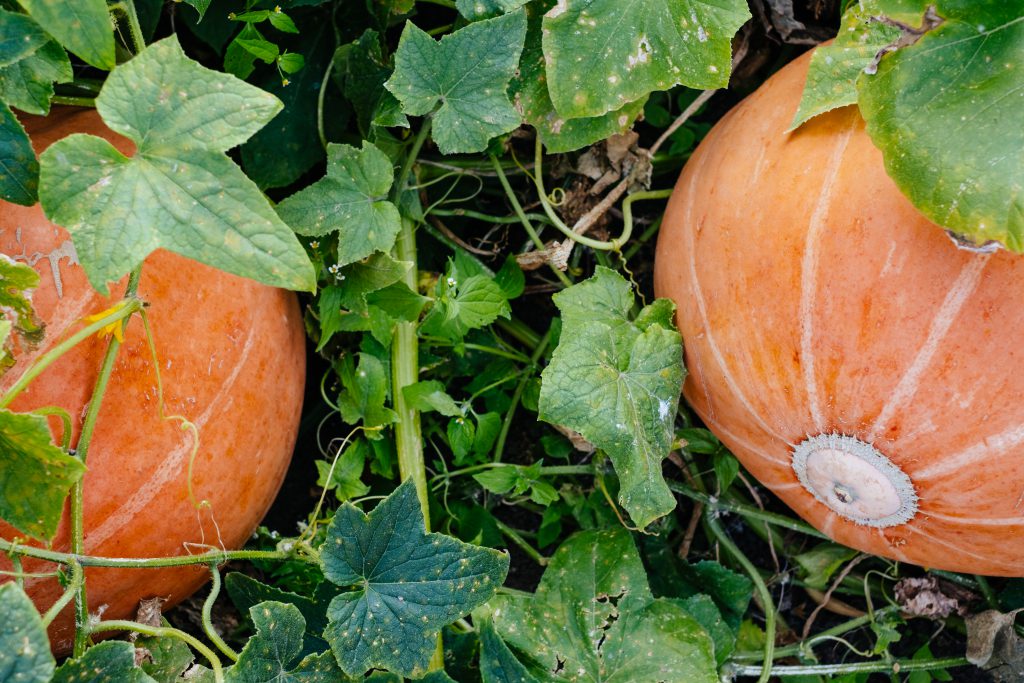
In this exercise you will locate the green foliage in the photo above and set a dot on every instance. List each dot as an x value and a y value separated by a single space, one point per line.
273 654
28 83
16 282
82 26
593 618
114 206
24 648
617 382
112 662
406 584
19 171
466 72
602 54
36 475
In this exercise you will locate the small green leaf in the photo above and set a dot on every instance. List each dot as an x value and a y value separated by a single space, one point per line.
466 302
260 49
498 664
946 113
291 62
253 17
481 9
179 191
28 83
350 199
20 36
19 170
36 474
112 662
168 658
247 592
82 26
398 301
366 387
467 73
16 281
461 433
430 395
406 584
344 477
821 562
618 386
282 22
271 654
365 70
593 618
498 479
24 647
369 275
604 54
530 93
238 61
200 6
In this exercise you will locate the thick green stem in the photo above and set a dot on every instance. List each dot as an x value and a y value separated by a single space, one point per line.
164 632
82 450
897 666
74 101
133 25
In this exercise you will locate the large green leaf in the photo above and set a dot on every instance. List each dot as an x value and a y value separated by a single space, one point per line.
82 26
19 170
948 114
28 83
593 618
617 382
24 648
180 191
350 199
35 475
20 36
467 73
406 584
498 664
604 54
112 662
530 93
273 654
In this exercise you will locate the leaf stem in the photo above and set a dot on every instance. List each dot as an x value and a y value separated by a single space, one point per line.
74 101
77 578
747 511
514 536
134 27
506 424
82 451
164 632
894 666
208 627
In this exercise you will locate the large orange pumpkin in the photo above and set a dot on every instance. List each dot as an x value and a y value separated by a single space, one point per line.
232 361
857 362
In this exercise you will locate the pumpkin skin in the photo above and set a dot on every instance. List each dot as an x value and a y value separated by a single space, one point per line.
232 360
818 306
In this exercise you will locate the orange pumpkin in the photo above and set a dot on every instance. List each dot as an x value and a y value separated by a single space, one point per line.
859 364
232 360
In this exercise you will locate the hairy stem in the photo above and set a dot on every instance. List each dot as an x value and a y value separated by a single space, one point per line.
208 627
896 666
209 557
164 632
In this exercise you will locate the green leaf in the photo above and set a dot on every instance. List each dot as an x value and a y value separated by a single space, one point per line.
28 83
702 608
618 386
593 618
481 9
398 301
36 475
200 6
20 36
406 584
344 477
19 170
24 648
16 281
179 191
466 302
946 113
350 199
821 562
365 71
260 49
372 274
834 69
112 662
82 26
430 395
604 54
168 658
366 387
530 93
498 479
461 433
282 22
247 592
498 664
467 72
271 655
237 60
291 63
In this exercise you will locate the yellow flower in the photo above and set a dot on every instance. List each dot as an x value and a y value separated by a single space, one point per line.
115 328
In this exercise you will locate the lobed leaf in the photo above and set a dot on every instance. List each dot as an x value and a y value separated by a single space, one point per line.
111 662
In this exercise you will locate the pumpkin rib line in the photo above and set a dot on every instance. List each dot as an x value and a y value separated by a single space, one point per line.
698 296
964 285
978 521
986 448
809 273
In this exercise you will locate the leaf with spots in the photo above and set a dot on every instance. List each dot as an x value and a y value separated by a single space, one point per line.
603 54
20 36
36 475
17 280
180 191
498 664
273 654
112 662
28 83
481 9
617 382
530 93
465 75
24 648
352 200
82 26
406 584
946 111
593 618
19 170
